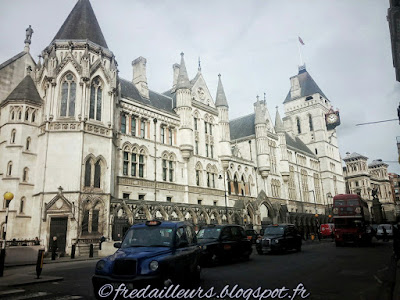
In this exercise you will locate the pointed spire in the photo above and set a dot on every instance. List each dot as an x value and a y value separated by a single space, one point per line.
183 78
81 24
220 99
278 122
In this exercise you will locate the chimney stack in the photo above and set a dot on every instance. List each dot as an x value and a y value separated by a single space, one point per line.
139 76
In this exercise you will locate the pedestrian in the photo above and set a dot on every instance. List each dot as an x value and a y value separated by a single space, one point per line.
118 237
36 242
54 247
102 239
385 235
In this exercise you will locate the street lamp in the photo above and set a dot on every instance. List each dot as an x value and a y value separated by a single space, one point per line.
329 199
7 197
226 203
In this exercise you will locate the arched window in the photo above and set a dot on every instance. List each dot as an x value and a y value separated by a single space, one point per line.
229 185
298 125
168 168
20 115
291 184
236 185
317 188
304 184
25 175
123 123
28 144
141 163
211 176
9 168
243 186
97 174
68 94
13 135
33 117
88 172
22 205
310 122
95 100
12 115
26 115
199 172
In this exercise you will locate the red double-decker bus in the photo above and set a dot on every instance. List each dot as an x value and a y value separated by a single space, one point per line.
352 218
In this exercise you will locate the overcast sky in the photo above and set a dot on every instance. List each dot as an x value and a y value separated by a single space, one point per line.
254 45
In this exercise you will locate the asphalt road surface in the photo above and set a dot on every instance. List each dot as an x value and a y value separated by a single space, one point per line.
326 272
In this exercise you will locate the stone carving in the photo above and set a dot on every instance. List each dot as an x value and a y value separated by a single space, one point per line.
29 32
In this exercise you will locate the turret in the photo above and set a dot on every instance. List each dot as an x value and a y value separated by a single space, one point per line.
280 131
263 159
184 110
223 113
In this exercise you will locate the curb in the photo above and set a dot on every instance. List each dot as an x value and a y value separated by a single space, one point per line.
28 280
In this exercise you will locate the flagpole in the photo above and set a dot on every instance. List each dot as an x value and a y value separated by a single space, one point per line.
301 57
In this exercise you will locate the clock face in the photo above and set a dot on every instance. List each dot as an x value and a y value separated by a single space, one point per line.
331 118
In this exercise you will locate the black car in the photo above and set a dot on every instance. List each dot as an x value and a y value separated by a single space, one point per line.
279 238
223 243
156 253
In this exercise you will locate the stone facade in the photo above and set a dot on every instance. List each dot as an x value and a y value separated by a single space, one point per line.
362 178
87 153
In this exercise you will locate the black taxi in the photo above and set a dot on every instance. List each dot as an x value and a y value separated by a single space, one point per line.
223 243
279 238
155 252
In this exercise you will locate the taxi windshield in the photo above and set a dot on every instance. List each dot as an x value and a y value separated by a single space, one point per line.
148 237
275 230
208 233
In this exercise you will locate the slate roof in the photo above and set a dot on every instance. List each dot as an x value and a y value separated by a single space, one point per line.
159 101
242 127
245 126
171 95
354 155
308 86
25 91
377 163
81 24
297 144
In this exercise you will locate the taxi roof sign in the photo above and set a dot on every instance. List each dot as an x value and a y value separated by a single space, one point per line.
153 223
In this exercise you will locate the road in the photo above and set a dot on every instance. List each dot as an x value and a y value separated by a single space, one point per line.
327 272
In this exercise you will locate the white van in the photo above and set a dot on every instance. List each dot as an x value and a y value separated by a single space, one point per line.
389 231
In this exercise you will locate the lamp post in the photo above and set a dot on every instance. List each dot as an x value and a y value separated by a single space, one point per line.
226 203
7 197
329 199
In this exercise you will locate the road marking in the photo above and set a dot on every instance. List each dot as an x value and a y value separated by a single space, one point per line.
9 292
30 296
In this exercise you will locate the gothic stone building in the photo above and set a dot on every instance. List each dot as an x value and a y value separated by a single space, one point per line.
362 178
88 153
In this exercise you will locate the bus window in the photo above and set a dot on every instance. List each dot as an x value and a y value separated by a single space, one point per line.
339 203
353 202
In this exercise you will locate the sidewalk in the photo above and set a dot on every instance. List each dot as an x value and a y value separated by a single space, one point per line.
47 260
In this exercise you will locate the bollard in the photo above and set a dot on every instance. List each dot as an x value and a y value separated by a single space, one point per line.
39 263
91 250
73 251
2 259
100 246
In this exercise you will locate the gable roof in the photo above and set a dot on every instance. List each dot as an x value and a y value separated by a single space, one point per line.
242 127
25 91
159 101
12 59
297 144
308 86
81 24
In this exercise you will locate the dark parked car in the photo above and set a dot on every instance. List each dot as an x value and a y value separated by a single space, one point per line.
223 243
279 238
252 235
156 253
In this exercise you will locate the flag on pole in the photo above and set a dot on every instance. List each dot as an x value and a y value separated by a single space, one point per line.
301 41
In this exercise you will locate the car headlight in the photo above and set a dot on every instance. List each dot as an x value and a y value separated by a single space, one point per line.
204 247
276 241
257 241
153 265
100 265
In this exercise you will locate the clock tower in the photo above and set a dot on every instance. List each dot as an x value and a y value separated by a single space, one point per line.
309 116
